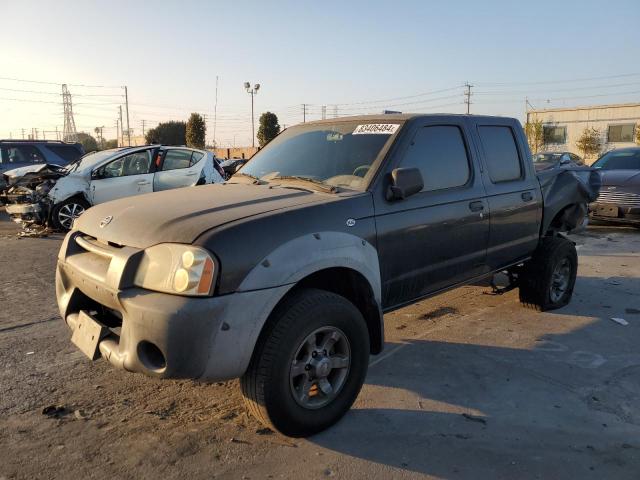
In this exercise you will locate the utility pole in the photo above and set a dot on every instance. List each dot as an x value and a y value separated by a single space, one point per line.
304 113
335 111
143 127
467 95
36 131
23 133
215 115
121 126
57 134
126 100
252 91
324 112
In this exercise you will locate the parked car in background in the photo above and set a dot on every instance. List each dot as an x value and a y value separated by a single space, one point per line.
18 157
56 196
232 165
619 199
546 160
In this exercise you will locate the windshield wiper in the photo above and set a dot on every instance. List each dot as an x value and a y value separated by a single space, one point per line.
322 186
256 180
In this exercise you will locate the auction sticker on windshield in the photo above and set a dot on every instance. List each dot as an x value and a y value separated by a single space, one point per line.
376 128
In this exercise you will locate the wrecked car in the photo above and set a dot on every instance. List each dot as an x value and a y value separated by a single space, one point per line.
619 199
281 275
56 196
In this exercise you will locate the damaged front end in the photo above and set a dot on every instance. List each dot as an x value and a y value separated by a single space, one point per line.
27 198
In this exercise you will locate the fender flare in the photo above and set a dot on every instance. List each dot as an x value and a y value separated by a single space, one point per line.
268 283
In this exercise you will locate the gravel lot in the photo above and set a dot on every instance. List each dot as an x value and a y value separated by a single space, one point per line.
470 386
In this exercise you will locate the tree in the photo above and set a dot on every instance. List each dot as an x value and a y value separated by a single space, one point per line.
98 132
196 131
638 134
589 142
110 144
88 142
535 135
269 128
168 133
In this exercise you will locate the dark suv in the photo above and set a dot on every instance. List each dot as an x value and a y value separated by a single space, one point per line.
32 153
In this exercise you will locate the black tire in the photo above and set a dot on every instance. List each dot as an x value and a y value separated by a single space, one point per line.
267 387
539 289
59 214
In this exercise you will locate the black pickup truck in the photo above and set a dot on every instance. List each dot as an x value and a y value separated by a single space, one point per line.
281 276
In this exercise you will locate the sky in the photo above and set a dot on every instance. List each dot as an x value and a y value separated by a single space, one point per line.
352 56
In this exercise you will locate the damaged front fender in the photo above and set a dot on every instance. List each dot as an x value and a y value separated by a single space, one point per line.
69 186
567 193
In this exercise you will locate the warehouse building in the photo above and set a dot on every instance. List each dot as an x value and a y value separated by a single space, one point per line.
562 127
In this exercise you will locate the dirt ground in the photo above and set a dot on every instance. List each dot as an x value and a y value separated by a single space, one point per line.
470 386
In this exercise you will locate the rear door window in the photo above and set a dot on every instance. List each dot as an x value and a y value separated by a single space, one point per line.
176 159
440 154
501 153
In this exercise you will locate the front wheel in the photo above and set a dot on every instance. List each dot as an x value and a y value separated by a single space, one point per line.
547 280
64 213
309 363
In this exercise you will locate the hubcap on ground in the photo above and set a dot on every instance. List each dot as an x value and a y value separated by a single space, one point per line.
68 213
320 367
560 279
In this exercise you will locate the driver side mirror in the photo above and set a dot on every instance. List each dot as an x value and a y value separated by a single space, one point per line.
404 183
97 174
564 160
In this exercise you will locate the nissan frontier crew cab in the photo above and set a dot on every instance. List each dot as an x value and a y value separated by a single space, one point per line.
281 275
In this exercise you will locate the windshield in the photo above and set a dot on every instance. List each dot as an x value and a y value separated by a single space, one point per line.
339 154
91 159
619 160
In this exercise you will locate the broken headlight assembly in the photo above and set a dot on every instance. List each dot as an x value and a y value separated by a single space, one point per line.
177 269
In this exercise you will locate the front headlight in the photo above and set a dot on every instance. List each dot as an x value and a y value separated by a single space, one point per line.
176 268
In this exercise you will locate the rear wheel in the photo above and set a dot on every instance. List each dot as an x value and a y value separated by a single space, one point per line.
64 213
309 364
547 280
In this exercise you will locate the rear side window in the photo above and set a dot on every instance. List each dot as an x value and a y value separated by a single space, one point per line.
66 152
501 153
440 154
176 159
22 154
196 157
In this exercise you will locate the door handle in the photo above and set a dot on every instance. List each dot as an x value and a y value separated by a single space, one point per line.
527 196
142 182
191 174
476 206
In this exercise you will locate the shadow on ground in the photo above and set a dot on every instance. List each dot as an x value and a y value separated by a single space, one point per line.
564 408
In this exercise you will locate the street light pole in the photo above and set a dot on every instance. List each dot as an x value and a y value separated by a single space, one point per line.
252 91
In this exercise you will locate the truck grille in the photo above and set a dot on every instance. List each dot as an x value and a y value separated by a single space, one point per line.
619 198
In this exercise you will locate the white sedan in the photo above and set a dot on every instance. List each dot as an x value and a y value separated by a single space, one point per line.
102 176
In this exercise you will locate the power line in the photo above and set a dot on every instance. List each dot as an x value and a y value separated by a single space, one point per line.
432 92
563 81
42 92
57 83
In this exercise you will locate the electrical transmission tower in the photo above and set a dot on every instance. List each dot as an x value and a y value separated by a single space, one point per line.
69 133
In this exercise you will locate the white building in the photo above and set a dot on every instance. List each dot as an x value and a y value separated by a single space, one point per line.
564 126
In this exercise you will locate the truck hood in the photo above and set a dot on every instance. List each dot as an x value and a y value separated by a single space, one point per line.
620 178
181 215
